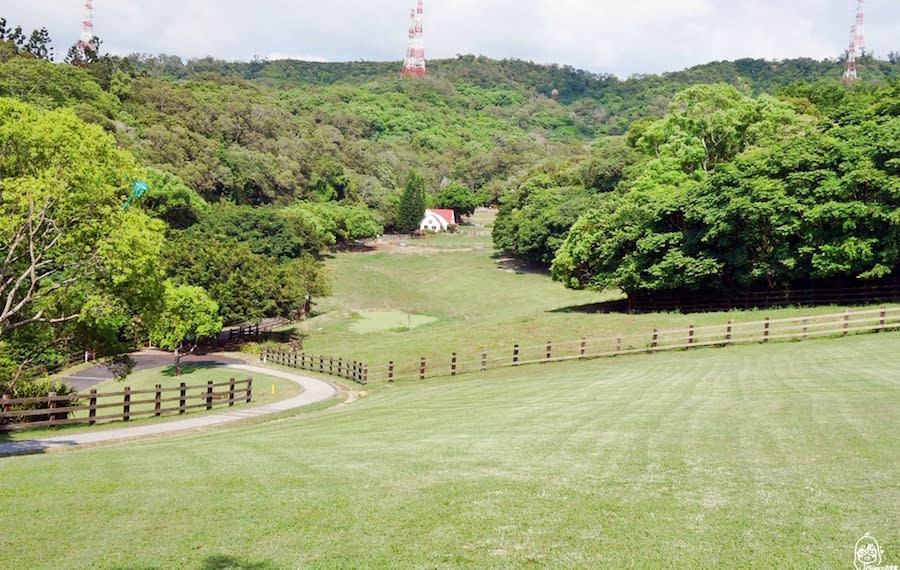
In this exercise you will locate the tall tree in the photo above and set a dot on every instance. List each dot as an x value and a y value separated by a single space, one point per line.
412 203
39 45
71 260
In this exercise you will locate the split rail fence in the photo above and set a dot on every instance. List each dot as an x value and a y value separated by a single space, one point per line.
92 407
730 333
349 369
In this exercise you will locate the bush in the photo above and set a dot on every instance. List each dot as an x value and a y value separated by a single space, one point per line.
40 389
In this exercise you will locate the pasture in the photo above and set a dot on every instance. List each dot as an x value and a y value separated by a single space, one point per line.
752 456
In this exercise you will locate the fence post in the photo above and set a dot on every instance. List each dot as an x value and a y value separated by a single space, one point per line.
846 322
209 394
331 366
391 371
883 318
422 369
766 330
321 364
583 346
249 389
729 331
805 328
618 343
654 345
303 361
126 405
230 392
483 359
157 401
182 399
340 367
5 409
549 350
52 402
365 378
92 414
515 355
453 365
691 336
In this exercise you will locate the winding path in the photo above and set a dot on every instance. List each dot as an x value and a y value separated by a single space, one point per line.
313 391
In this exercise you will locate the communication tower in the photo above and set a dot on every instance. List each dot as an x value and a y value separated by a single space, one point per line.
414 64
857 43
87 30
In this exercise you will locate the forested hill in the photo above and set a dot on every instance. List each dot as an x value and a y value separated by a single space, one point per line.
276 132
606 103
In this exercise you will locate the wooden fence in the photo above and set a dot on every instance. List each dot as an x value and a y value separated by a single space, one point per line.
690 301
349 369
730 333
91 407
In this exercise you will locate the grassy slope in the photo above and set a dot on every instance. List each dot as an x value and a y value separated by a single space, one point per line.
754 456
457 279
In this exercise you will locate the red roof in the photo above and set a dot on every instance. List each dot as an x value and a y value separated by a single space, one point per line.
446 214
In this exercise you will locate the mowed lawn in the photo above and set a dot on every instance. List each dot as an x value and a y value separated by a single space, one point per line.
759 456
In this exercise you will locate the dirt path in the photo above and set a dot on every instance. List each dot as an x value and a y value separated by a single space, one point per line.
314 391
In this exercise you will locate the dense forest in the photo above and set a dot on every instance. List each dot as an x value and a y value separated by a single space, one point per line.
211 188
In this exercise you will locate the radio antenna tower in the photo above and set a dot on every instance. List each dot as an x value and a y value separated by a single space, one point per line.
414 64
857 43
85 44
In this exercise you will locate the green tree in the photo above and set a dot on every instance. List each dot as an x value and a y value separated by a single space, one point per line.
412 204
39 45
458 197
72 260
188 315
170 200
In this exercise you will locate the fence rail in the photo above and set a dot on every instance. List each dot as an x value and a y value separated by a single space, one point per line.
659 340
55 410
340 367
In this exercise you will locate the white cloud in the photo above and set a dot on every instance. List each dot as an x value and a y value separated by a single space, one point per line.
638 36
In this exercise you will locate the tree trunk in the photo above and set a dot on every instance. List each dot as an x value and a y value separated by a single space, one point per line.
177 362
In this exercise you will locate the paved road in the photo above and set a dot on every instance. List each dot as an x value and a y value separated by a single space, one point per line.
87 379
313 391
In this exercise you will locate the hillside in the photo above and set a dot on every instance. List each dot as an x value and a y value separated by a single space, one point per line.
253 169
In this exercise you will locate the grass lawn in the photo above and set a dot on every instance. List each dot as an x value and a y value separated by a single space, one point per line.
192 376
477 301
745 457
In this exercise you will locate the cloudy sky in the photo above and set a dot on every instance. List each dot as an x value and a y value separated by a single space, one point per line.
622 37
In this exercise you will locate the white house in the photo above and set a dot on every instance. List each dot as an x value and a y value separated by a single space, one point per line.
437 220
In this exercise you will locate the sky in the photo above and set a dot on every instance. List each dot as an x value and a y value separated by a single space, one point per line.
624 38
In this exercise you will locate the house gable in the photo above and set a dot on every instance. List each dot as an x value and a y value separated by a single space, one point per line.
437 220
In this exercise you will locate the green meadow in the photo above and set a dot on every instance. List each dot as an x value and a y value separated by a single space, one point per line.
753 456
744 457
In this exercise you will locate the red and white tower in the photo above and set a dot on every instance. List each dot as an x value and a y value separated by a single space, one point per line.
850 71
87 29
859 30
414 64
857 43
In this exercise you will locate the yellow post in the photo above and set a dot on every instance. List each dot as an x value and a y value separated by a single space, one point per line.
273 389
